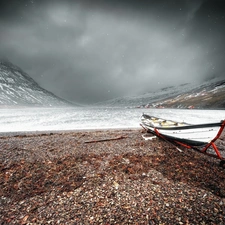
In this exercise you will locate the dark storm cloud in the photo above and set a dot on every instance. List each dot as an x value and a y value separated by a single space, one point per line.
92 50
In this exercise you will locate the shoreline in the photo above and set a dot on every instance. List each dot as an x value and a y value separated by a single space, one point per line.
47 132
107 177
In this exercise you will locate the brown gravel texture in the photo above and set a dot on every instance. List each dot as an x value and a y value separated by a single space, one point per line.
107 177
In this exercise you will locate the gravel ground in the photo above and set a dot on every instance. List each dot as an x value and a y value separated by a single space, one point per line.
107 177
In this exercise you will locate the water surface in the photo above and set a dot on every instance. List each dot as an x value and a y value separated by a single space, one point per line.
81 118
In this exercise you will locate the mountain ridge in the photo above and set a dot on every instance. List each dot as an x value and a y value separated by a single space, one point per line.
208 95
18 89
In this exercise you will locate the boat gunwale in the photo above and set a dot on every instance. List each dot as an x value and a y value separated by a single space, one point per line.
194 126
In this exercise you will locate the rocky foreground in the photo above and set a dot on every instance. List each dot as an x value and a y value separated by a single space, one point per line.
107 177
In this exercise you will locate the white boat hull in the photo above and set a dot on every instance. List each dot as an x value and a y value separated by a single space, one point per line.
204 135
184 132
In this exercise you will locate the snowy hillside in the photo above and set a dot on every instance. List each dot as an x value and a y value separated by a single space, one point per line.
208 95
17 88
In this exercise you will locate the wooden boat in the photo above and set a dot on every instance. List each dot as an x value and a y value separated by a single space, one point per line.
188 135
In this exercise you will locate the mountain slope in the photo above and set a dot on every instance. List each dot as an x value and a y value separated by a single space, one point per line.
208 95
17 88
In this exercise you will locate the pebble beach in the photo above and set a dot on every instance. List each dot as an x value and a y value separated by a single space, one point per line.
107 177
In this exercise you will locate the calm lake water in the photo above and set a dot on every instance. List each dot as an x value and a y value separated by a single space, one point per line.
73 118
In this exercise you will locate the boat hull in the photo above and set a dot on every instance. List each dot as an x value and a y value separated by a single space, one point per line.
195 135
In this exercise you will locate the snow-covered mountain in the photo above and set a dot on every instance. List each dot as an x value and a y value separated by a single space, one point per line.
18 88
208 95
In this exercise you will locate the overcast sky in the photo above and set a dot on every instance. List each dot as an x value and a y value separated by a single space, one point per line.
93 50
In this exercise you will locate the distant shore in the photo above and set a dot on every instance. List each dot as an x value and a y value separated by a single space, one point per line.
109 176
